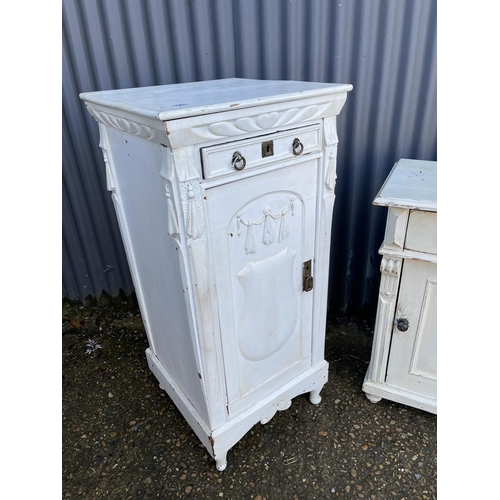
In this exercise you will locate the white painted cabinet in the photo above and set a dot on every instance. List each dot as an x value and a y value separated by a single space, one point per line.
403 365
224 192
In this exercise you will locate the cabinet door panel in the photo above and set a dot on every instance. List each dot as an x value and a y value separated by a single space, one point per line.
413 356
262 230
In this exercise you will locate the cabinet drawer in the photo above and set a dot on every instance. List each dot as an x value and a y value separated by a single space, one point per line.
421 234
248 154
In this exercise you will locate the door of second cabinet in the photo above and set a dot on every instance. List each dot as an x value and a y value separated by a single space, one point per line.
412 360
262 231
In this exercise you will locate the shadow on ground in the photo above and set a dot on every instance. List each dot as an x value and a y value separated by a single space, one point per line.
123 438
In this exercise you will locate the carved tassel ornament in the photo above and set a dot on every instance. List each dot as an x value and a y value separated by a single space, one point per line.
268 235
331 174
283 232
172 226
194 226
249 241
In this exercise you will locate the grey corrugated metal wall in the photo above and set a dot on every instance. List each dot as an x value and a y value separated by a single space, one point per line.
385 48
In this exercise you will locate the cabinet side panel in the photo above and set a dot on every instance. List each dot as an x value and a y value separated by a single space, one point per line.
140 191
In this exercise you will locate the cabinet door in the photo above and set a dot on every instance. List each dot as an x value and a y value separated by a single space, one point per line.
413 355
262 230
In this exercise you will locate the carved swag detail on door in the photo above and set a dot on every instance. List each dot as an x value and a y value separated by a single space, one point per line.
268 232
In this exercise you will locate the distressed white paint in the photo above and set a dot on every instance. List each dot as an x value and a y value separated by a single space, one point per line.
403 365
410 184
216 254
169 102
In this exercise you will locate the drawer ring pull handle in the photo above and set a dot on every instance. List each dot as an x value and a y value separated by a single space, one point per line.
297 147
238 161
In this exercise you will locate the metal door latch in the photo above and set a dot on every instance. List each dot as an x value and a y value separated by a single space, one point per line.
307 279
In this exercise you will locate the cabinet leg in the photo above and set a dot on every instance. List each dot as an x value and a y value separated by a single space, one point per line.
221 462
314 396
265 420
372 398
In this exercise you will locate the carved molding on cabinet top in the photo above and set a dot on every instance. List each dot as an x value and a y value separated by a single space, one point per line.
259 123
124 124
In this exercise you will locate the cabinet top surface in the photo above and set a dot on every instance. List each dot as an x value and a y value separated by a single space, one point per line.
411 184
167 102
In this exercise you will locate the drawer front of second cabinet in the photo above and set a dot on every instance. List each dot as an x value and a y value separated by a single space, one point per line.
421 234
229 159
262 230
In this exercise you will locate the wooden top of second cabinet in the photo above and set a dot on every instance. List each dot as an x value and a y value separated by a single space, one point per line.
410 184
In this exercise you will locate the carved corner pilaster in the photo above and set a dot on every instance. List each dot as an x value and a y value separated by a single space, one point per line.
194 223
103 144
331 168
172 217
330 143
390 269
191 196
182 173
110 181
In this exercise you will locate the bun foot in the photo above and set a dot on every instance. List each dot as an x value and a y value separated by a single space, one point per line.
221 463
372 398
314 397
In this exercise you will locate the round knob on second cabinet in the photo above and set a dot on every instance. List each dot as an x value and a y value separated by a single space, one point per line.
297 147
402 324
238 161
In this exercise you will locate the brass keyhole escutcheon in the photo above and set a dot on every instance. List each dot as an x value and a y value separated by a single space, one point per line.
267 149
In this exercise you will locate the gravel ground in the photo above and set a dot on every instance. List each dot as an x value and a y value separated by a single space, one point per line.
124 439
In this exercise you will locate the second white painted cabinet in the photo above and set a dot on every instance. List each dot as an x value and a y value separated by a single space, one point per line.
403 365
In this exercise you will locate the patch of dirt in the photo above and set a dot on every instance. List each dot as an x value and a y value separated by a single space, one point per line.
123 438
